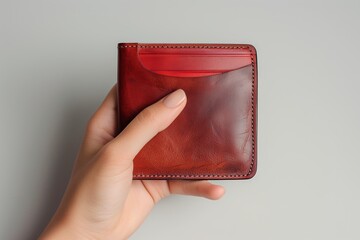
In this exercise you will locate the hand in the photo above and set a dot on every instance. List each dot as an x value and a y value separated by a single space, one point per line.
101 200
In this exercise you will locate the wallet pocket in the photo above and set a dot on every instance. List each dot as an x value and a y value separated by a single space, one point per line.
214 137
192 62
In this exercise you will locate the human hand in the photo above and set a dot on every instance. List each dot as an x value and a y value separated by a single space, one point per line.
101 200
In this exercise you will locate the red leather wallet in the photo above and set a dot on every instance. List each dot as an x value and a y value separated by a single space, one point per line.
215 136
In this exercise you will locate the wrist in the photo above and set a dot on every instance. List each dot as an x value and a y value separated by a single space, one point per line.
64 230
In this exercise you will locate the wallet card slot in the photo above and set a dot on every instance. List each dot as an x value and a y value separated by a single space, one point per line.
189 73
192 62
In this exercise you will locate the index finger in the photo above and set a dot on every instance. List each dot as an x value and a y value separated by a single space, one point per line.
101 127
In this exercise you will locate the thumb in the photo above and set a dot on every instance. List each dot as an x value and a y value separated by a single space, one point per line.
150 121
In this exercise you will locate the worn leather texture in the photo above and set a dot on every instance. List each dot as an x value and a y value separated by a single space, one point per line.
215 136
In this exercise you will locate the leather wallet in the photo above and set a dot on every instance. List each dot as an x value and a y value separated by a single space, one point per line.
215 136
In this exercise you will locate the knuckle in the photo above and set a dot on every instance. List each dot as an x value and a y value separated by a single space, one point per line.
146 115
91 125
109 151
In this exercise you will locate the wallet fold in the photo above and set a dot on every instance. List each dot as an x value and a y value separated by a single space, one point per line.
215 136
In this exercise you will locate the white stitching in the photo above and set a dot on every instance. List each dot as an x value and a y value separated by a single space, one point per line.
184 46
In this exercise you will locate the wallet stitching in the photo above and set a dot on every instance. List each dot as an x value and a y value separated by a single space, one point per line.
252 113
185 46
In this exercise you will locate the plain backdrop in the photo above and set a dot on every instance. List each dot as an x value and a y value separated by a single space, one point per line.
58 61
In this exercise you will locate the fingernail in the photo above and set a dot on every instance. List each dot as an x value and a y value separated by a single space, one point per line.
174 99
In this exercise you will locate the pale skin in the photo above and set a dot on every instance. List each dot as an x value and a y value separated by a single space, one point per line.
102 201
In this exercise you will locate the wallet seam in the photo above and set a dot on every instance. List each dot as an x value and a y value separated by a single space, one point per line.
252 113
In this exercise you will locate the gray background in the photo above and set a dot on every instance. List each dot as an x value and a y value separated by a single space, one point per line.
58 61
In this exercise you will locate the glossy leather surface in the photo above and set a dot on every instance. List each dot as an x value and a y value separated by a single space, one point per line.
215 136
